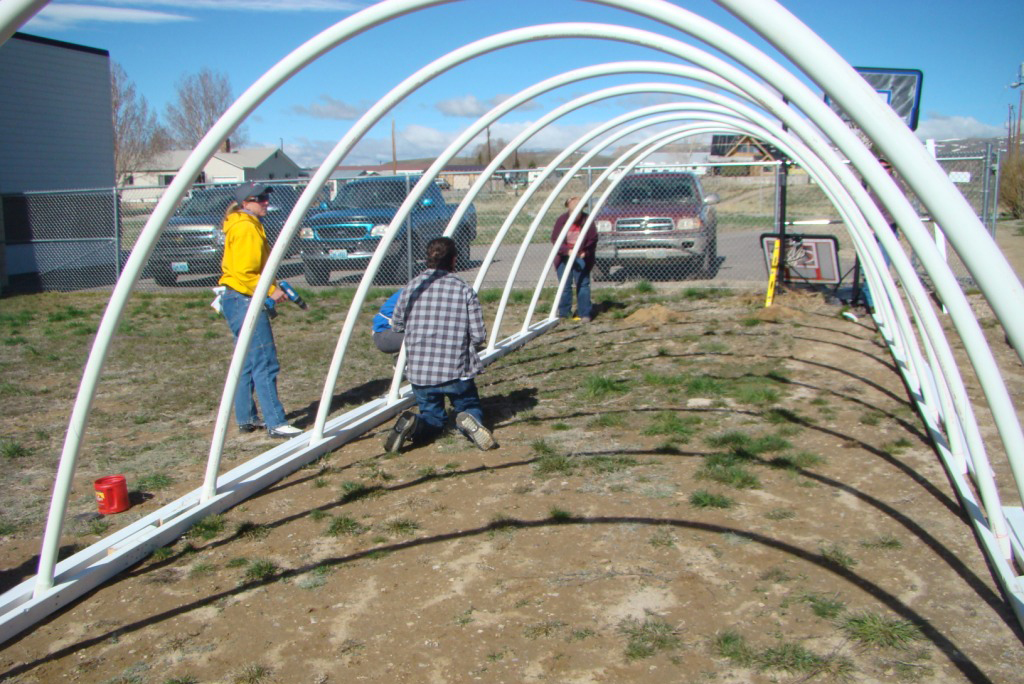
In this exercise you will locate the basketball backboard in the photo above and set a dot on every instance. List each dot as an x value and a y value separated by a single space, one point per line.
899 88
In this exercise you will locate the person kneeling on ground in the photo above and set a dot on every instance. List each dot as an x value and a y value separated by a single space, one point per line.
443 325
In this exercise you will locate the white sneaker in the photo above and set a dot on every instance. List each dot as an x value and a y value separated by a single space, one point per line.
284 431
476 432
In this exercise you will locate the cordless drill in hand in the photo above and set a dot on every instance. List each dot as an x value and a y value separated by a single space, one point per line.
289 292
292 294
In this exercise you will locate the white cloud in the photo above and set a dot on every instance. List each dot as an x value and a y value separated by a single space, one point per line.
941 127
62 16
423 141
330 108
471 107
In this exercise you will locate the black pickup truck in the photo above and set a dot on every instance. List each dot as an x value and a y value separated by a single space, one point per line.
193 241
345 234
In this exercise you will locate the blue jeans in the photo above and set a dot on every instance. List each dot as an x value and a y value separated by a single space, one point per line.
580 276
259 373
430 399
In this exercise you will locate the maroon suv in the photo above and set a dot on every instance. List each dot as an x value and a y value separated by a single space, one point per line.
658 218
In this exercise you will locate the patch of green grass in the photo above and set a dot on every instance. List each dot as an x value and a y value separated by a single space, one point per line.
317 514
789 657
353 491
560 427
207 528
201 569
672 424
11 449
344 525
746 446
871 418
872 629
885 542
153 482
648 637
580 634
702 498
600 387
728 469
403 526
163 553
644 287
775 575
252 674
802 460
750 322
465 617
602 463
778 415
183 679
237 562
825 607
662 538
899 446
315 578
733 647
546 628
834 554
559 515
548 461
259 569
704 386
251 531
608 420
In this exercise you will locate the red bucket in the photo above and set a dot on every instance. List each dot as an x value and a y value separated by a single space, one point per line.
111 494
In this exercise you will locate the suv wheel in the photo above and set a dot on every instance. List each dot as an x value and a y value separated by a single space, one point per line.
709 262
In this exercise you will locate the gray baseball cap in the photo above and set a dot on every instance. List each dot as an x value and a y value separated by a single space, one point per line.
248 190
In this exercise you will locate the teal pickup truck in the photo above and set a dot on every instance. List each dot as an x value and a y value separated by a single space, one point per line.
344 235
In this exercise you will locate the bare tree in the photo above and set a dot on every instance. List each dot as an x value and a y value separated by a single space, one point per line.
137 133
202 98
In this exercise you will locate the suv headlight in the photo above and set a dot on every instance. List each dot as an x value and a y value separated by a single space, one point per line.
688 224
379 230
604 226
306 233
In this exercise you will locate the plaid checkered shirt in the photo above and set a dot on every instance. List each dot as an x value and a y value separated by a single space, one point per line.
440 315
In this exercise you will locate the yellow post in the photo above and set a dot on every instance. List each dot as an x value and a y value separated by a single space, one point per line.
773 274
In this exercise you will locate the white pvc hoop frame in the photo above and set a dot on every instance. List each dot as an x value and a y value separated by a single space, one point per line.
787 34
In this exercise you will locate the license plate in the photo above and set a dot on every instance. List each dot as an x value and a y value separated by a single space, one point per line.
339 253
179 266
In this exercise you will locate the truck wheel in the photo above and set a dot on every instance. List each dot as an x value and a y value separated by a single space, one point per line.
166 278
709 262
317 275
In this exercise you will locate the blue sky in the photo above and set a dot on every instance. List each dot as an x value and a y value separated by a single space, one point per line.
969 53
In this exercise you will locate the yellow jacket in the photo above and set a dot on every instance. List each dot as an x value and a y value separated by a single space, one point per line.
245 252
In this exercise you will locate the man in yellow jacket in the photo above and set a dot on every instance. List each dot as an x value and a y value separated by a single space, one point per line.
245 254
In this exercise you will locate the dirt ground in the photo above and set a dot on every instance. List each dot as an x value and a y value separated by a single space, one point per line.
690 489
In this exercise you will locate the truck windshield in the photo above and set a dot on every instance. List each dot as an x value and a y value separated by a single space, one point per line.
369 196
206 202
653 190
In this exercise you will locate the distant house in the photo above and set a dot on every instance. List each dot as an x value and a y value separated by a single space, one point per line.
743 149
56 133
236 166
694 162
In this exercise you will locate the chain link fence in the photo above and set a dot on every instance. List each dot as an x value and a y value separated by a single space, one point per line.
702 225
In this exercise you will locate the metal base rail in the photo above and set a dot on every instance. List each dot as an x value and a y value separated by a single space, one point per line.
91 567
1011 583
